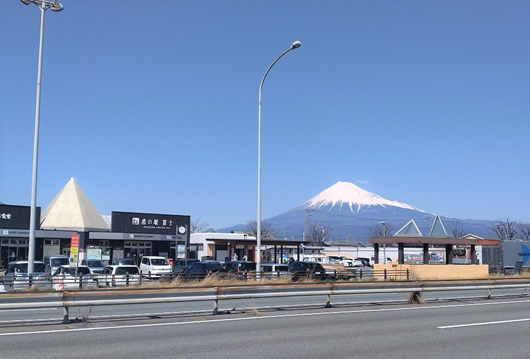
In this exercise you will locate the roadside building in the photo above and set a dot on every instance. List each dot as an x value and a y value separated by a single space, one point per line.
71 225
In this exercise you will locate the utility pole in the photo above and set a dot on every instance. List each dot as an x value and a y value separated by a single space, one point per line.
306 222
384 245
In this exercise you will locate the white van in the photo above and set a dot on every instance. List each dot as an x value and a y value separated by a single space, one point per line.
154 267
53 262
273 270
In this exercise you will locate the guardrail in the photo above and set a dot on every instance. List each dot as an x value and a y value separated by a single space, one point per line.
62 282
71 299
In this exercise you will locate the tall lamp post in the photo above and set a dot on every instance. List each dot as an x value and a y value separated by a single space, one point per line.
295 45
43 5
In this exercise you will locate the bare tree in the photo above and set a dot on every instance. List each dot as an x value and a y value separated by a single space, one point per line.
350 240
317 233
266 231
505 230
523 230
458 230
197 226
381 230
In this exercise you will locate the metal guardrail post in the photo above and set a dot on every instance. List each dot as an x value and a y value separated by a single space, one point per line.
328 301
385 274
66 311
215 306
127 279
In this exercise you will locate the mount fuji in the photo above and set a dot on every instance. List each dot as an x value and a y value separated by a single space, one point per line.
346 210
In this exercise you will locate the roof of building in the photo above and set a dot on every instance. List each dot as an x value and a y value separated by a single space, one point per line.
72 210
409 230
439 229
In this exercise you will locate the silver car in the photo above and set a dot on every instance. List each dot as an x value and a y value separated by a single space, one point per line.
16 276
118 275
70 277
95 265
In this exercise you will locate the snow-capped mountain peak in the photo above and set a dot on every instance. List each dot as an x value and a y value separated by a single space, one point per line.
346 193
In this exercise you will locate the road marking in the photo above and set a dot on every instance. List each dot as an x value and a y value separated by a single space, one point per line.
484 323
264 317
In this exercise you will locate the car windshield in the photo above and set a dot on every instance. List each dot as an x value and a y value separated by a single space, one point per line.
247 266
94 263
159 262
57 262
23 268
128 261
81 270
127 270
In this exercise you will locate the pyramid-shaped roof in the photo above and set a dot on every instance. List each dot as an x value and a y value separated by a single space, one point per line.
439 229
409 230
72 210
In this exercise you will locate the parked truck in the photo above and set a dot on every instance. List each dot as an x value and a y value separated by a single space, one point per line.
507 256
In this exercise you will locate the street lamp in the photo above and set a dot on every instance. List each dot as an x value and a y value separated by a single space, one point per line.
295 45
43 5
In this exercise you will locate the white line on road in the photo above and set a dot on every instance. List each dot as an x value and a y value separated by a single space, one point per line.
484 323
264 317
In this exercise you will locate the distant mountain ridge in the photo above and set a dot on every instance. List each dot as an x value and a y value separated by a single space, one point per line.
346 210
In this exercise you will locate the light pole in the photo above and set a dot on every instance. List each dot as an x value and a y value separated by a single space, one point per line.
384 245
295 45
43 5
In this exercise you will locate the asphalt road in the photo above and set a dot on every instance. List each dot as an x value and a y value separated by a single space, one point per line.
479 329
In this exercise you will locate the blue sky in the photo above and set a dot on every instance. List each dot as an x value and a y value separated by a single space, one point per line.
152 106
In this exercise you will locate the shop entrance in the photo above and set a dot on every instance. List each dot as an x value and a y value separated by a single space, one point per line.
13 249
137 249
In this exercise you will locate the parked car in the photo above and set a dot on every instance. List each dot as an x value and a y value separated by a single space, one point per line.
180 264
199 270
367 262
307 270
124 262
274 270
347 262
53 262
71 277
154 267
240 266
118 275
17 277
95 265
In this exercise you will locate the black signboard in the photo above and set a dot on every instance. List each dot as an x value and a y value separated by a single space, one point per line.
17 217
129 222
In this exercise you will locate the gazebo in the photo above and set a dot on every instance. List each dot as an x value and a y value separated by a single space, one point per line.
410 236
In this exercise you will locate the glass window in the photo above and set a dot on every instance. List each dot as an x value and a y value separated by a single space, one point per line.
159 262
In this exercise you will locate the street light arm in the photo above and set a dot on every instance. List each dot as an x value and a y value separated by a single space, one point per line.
53 5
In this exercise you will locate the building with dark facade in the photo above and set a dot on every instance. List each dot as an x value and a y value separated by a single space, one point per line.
71 225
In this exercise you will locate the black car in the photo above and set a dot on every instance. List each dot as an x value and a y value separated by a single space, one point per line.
240 266
307 270
199 270
180 264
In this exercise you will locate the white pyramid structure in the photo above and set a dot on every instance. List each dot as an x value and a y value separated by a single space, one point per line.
409 230
439 229
72 210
